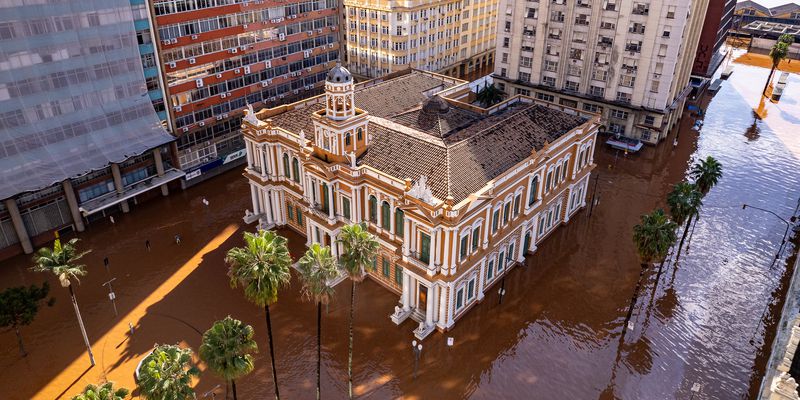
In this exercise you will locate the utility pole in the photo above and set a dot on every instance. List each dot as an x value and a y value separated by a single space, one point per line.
594 191
111 295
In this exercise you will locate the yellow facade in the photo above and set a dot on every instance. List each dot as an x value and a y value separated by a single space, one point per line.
452 37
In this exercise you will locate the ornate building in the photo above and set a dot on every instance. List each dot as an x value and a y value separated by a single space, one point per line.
455 193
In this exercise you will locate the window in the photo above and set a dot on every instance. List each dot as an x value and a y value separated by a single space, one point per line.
548 181
495 220
524 77
290 211
501 261
386 267
296 169
571 86
325 200
649 120
592 108
373 209
398 275
386 216
564 167
627 80
464 247
545 97
510 253
347 139
425 248
548 81
460 298
506 212
619 114
359 134
346 207
299 217
471 289
286 165
517 200
399 221
550 65
490 270
476 238
534 191
596 91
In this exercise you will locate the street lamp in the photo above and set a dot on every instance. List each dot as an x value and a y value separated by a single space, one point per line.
417 349
788 223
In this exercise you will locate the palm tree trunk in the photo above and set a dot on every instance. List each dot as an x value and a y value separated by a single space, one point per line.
22 351
633 301
319 347
350 353
769 79
80 322
272 352
233 387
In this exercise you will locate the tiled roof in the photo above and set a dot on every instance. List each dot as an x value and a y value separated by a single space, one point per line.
772 12
467 159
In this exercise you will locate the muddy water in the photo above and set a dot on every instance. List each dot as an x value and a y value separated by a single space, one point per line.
554 336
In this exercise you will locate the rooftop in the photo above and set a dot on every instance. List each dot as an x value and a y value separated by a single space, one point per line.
459 148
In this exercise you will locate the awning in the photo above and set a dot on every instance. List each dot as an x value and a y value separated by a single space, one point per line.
111 199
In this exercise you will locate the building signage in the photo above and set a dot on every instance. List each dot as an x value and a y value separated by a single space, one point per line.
235 155
193 174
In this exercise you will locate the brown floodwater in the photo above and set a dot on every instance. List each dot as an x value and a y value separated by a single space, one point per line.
555 335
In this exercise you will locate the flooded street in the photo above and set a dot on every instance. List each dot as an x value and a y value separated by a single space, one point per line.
555 335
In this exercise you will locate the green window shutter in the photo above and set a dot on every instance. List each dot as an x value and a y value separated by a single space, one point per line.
386 217
399 222
495 220
386 266
373 209
425 248
464 246
534 189
398 275
296 170
299 217
286 165
346 207
290 211
476 238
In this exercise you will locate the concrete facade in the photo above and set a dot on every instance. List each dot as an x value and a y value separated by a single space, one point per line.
628 60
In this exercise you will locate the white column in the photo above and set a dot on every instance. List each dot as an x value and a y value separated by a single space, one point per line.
331 199
481 279
432 252
359 201
406 236
379 210
268 209
429 307
405 296
254 195
276 207
249 153
442 305
262 153
309 233
487 226
353 205
334 247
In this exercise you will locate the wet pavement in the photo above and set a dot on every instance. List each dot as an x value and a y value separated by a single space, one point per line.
554 336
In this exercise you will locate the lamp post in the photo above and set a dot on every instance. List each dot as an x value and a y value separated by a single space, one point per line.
417 349
788 223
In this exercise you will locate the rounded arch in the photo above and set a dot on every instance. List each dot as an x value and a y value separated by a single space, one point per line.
296 169
386 215
347 139
373 209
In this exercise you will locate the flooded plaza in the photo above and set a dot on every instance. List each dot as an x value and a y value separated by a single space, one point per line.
556 333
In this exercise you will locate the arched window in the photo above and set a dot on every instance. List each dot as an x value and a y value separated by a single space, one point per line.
296 169
534 190
373 209
286 165
399 221
325 199
347 139
386 212
359 134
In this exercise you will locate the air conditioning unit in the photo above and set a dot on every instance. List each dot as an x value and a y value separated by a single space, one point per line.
166 42
185 129
243 48
223 95
272 98
333 28
269 81
237 71
229 94
219 117
178 108
309 33
225 115
244 25
264 84
194 37
268 64
192 61
308 69
233 50
281 37
198 82
296 91
202 123
174 41
280 96
219 76
247 69
285 76
306 53
330 45
319 30
294 73
172 65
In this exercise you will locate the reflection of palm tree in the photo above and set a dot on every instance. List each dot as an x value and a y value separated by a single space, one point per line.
227 348
753 131
317 270
262 267
62 261
359 251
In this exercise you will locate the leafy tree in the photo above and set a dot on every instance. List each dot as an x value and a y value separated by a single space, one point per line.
489 95
360 248
167 373
317 270
19 306
706 174
684 203
62 261
106 391
261 268
227 349
778 53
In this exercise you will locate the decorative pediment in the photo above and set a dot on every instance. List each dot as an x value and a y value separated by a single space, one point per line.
421 191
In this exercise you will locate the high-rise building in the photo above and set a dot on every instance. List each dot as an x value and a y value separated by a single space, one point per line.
710 50
453 37
629 60
143 23
79 137
456 194
220 55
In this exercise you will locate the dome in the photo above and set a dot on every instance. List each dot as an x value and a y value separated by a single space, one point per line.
339 74
435 105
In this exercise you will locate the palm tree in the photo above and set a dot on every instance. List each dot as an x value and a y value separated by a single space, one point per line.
167 373
489 95
684 203
653 237
105 391
706 174
261 267
227 348
359 251
317 270
62 261
779 51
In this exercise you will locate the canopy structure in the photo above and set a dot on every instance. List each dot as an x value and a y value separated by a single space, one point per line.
72 92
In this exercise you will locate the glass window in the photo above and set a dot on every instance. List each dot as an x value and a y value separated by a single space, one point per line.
346 207
296 169
299 217
476 238
510 253
286 165
425 248
347 139
399 221
501 261
359 134
398 275
463 249
517 200
325 199
373 209
386 267
460 299
386 220
506 212
290 211
471 289
534 190
495 220
490 270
